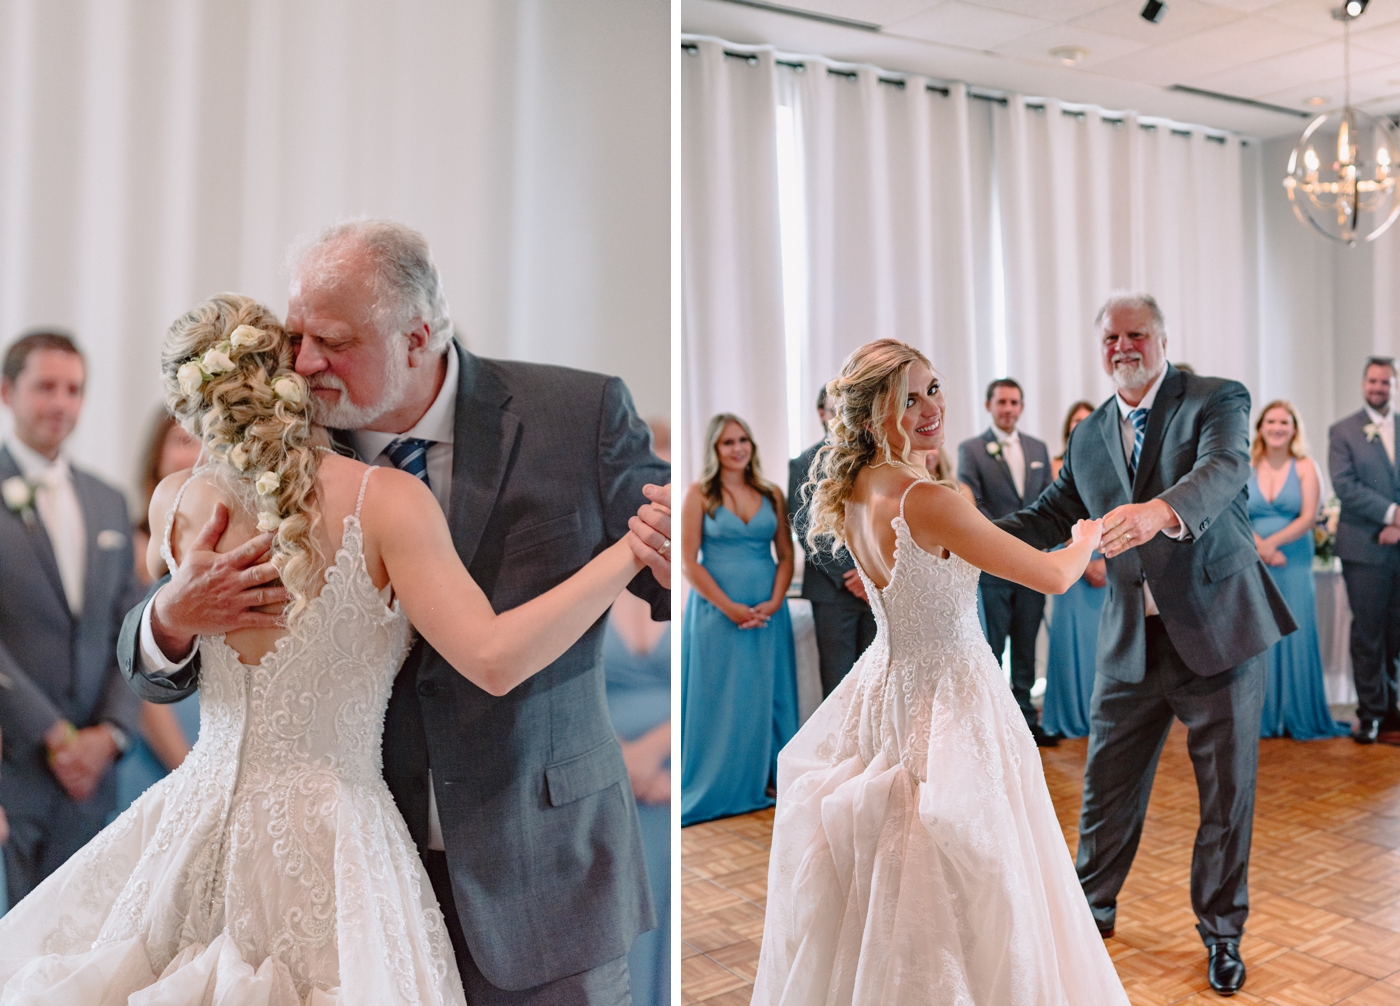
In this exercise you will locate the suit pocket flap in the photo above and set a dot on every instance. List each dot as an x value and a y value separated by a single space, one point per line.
586 774
546 530
1229 565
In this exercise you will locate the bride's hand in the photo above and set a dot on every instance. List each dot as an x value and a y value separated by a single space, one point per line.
1091 529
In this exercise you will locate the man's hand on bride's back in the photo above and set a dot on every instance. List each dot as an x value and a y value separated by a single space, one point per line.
214 592
1090 529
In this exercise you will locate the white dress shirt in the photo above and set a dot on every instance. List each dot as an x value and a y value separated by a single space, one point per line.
1129 434
1386 425
59 509
1015 457
437 425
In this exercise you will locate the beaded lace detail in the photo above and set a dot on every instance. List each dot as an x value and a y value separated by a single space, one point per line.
278 831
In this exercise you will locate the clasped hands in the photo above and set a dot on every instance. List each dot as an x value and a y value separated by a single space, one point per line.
1390 534
79 758
1130 525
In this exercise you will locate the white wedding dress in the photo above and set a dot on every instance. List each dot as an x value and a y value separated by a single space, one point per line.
272 868
916 855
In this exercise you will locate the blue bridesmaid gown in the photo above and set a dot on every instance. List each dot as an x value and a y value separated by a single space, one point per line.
738 686
639 699
1069 669
1295 703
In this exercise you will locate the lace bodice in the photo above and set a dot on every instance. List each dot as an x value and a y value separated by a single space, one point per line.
928 637
277 841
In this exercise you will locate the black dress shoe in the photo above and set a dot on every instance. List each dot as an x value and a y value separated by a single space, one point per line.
1042 739
1225 969
1366 731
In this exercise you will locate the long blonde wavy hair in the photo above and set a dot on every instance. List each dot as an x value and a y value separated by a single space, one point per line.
254 418
1298 446
710 488
868 392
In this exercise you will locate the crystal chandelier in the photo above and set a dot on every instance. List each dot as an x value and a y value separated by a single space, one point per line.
1342 174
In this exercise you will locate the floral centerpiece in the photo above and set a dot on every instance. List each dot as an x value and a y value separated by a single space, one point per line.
1325 532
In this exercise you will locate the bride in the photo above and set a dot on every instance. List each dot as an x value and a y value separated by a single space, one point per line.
916 855
273 868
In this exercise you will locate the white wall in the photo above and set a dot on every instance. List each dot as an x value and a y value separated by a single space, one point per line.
155 152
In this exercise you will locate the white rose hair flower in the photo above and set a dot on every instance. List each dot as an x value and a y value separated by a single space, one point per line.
268 483
191 377
268 521
244 336
217 361
288 389
238 456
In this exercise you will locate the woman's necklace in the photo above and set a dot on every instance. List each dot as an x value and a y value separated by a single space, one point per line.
924 475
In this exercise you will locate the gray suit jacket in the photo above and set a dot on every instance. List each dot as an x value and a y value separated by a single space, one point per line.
1366 483
1218 603
822 573
989 476
537 812
54 666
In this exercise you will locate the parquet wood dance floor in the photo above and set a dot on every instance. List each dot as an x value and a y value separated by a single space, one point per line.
1324 922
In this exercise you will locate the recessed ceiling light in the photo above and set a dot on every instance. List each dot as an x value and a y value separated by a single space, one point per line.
1069 54
1315 100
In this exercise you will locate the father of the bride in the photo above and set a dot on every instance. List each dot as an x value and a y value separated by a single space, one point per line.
519 804
1190 612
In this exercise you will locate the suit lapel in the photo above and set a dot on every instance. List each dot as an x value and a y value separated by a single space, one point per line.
1164 406
484 440
999 459
37 536
1111 430
92 527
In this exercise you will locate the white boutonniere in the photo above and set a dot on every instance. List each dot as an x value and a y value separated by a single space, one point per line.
1372 431
994 448
19 498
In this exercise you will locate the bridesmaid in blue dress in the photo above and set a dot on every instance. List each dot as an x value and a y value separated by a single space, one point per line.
1283 494
738 665
1074 632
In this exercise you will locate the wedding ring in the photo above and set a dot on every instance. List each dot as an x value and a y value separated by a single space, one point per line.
260 598
1127 535
664 549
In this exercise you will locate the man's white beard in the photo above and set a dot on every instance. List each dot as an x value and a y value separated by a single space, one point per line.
1132 375
345 414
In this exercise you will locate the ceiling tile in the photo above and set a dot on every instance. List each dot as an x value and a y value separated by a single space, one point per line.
1381 84
1385 39
1050 10
1037 45
1274 73
1183 17
1208 52
1316 16
1244 6
879 12
958 23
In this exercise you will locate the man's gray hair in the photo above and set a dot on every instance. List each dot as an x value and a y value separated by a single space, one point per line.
1124 298
408 287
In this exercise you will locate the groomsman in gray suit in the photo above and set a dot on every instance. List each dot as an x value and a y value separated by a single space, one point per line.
1189 614
841 615
1361 457
1006 469
66 580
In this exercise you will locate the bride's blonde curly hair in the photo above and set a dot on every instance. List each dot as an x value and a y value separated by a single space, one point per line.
229 375
868 392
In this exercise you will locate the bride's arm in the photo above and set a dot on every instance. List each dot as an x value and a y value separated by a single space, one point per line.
494 652
942 517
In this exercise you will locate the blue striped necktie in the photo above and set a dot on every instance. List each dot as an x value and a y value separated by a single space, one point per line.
1139 421
411 455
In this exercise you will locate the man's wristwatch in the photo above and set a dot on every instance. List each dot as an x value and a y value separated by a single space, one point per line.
119 738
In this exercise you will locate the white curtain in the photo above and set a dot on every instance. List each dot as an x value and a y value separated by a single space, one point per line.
985 232
733 350
893 210
1091 202
155 152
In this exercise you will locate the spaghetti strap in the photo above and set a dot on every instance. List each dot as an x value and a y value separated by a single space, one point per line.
360 500
165 551
907 490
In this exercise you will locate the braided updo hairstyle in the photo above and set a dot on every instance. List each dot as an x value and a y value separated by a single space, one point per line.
868 392
229 380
